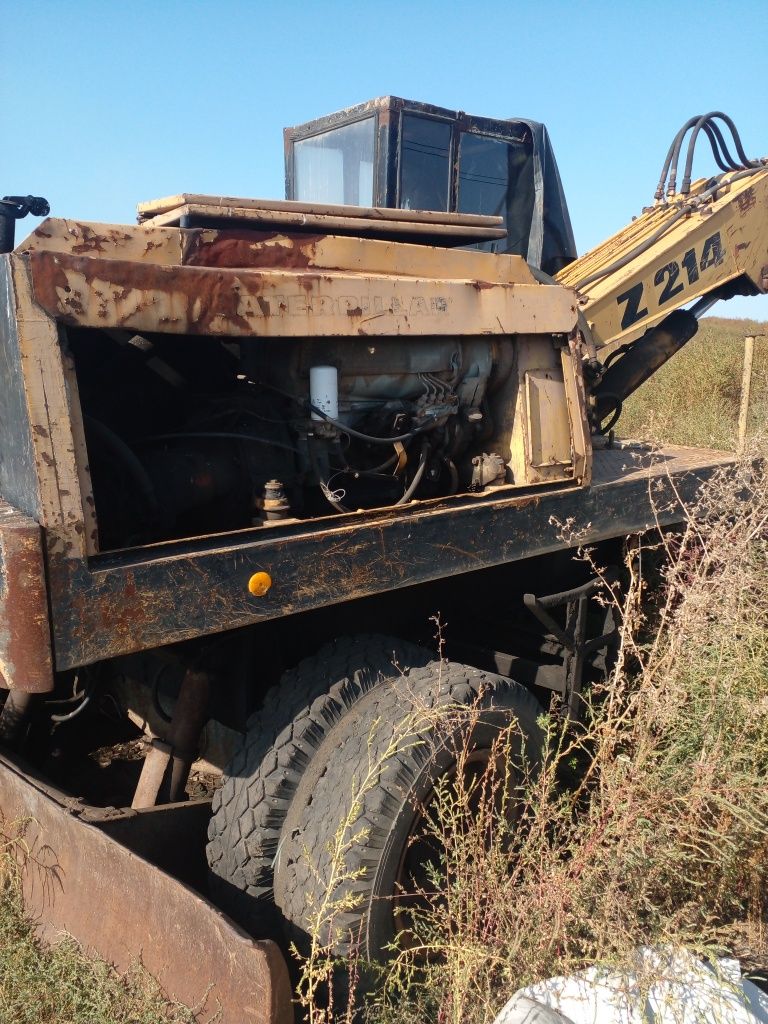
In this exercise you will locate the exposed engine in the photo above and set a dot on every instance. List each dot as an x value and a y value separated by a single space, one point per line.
191 436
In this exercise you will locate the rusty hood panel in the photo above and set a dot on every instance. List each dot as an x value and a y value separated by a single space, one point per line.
82 291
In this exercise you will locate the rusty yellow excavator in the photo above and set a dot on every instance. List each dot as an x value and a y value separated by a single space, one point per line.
251 447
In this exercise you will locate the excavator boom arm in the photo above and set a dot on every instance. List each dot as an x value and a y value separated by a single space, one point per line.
711 242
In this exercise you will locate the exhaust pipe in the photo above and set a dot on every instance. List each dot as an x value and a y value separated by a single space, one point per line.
13 208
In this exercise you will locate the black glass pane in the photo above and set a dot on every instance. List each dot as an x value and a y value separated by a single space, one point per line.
425 147
496 178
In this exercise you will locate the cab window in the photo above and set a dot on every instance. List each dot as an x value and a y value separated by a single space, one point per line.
336 166
425 149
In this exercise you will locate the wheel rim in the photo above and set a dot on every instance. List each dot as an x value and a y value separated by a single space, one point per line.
422 853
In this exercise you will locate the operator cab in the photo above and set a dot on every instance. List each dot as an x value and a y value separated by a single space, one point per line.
413 156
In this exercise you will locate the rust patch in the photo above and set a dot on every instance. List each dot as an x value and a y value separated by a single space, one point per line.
25 646
308 282
91 241
202 296
239 249
746 201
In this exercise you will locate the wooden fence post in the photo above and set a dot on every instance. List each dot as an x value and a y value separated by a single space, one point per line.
746 382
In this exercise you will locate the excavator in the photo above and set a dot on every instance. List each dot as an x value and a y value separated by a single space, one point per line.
241 435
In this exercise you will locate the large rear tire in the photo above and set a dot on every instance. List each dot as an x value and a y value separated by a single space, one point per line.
351 822
249 810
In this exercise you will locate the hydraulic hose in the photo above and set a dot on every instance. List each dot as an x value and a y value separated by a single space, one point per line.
720 151
634 253
716 139
708 119
652 239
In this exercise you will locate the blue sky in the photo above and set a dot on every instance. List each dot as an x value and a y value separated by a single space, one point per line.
104 104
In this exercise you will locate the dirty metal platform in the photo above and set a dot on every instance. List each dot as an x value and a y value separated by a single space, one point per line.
121 602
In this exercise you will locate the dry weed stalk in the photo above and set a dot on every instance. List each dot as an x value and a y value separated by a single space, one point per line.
663 840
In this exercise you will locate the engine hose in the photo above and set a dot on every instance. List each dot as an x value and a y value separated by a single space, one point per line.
367 437
454 475
376 470
252 438
84 696
420 469
130 461
72 714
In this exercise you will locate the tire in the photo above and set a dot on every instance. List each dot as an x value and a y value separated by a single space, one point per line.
280 743
381 816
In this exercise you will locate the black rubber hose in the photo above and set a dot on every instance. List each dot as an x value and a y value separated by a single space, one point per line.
216 434
720 160
685 188
736 139
132 463
616 412
673 152
411 489
633 253
713 128
746 162
367 437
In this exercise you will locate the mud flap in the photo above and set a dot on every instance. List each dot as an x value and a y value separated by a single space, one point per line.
80 880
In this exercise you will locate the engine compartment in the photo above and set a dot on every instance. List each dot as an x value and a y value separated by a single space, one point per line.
198 435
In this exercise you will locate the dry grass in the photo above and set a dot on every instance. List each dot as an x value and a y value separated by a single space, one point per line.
61 985
662 839
694 399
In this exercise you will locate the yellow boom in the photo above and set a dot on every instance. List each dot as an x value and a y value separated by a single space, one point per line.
711 242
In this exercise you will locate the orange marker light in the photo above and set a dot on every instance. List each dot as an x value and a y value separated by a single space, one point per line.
259 583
